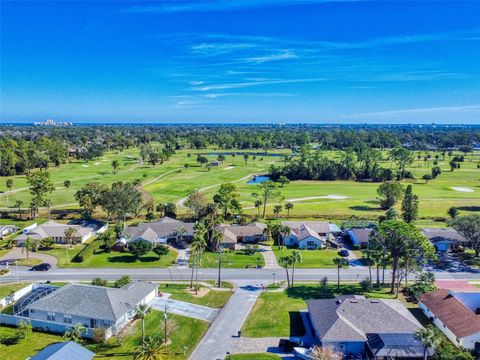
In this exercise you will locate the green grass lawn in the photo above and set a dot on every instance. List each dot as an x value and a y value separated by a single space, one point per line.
5 289
215 299
278 313
265 356
112 259
310 258
185 335
232 259
26 347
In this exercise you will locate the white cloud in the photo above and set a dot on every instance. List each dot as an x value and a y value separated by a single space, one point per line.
254 83
460 108
285 55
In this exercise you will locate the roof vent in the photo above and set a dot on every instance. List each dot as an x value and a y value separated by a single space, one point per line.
353 301
338 302
477 311
374 301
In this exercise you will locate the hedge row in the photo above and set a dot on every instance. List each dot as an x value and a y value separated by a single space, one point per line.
87 251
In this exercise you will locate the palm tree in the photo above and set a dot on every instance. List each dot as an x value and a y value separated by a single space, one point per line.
67 184
296 259
69 235
277 209
429 338
76 332
245 158
48 204
18 205
115 165
141 312
179 234
258 205
288 207
286 261
9 184
28 245
341 263
153 348
197 247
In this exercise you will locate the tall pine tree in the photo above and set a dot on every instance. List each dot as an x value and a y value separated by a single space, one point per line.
410 206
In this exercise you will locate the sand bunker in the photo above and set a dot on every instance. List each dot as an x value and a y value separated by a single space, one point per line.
97 163
229 168
332 197
84 165
462 189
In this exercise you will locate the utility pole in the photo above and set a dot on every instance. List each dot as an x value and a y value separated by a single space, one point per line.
219 280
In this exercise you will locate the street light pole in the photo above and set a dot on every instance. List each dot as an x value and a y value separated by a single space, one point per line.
219 280
165 323
273 275
16 266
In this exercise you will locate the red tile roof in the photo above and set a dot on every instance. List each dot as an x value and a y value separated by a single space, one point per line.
452 313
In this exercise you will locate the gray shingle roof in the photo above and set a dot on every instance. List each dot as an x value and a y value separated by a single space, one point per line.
321 227
54 229
95 302
165 227
448 234
350 318
64 350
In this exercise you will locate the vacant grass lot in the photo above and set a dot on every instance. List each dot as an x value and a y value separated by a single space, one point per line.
112 259
278 313
232 259
214 299
185 335
310 258
171 181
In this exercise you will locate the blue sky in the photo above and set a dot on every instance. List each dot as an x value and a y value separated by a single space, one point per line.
241 61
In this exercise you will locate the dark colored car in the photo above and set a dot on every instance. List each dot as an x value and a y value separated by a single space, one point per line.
41 267
343 253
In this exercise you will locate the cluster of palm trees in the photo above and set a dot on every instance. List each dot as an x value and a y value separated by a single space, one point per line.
288 261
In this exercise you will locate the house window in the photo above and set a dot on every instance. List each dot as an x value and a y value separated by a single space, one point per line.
67 319
310 243
50 316
32 311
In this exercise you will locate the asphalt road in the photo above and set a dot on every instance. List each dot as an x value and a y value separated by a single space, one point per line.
174 274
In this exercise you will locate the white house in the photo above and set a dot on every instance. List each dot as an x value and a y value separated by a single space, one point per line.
456 314
307 234
56 231
6 230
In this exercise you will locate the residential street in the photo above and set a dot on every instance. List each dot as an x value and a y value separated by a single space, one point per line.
174 274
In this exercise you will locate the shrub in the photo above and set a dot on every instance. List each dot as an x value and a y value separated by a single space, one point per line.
161 250
87 251
124 280
366 285
99 282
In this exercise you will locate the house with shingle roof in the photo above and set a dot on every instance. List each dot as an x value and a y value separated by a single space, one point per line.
371 328
307 234
242 234
456 314
444 239
56 231
92 306
166 230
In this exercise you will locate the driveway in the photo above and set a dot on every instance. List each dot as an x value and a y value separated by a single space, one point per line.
184 308
269 256
222 333
183 258
16 253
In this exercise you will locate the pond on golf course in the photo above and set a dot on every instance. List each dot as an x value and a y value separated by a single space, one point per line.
257 179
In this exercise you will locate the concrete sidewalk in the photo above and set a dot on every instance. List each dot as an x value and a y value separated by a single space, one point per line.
184 308
269 256
221 335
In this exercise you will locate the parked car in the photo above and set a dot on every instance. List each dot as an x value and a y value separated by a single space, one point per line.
41 267
343 253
